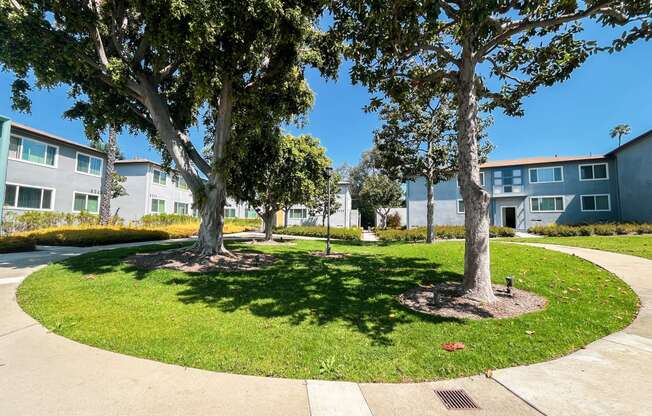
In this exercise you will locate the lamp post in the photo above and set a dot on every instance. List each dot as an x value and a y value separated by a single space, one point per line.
329 174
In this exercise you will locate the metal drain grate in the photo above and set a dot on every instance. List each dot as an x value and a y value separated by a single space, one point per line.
456 400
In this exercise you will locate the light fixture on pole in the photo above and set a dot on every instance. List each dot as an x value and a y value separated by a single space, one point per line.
329 174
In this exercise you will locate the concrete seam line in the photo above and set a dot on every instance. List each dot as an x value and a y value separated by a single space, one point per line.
628 345
364 398
17 330
521 398
305 384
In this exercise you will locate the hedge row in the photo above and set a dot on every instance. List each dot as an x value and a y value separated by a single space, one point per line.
14 244
35 220
443 232
354 233
554 230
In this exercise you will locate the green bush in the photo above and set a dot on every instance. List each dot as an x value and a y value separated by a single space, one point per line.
35 220
354 233
153 220
16 244
443 232
604 229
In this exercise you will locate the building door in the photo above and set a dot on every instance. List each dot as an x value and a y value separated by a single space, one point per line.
509 217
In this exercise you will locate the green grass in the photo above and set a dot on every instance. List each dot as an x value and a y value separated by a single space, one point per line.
635 245
309 317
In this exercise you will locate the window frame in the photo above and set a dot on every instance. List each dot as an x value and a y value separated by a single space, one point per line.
181 203
157 199
176 181
86 194
160 172
19 185
304 213
20 152
529 174
563 202
594 196
90 161
579 171
235 212
457 206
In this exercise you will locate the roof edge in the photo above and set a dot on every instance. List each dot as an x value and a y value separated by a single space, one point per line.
629 143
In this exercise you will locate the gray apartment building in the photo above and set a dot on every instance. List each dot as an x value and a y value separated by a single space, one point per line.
344 217
544 190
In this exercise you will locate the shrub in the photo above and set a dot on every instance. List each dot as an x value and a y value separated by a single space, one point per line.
555 230
153 220
394 220
34 220
353 233
443 232
14 244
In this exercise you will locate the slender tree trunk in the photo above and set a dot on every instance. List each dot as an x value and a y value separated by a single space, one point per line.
285 217
430 212
477 274
268 219
109 169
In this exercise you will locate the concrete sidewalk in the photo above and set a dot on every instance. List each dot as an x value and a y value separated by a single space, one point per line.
44 374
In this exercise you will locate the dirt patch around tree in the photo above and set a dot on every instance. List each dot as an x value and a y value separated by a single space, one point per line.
333 255
445 299
187 260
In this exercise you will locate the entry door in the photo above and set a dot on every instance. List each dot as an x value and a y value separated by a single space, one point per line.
509 217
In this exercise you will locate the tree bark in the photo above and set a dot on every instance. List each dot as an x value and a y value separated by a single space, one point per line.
268 219
430 213
107 185
285 217
477 274
211 236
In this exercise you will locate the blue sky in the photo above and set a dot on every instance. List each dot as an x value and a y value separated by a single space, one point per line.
570 118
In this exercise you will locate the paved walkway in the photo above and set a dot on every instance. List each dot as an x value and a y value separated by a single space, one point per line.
44 374
369 235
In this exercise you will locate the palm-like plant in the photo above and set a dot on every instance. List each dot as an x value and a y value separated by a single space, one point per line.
620 131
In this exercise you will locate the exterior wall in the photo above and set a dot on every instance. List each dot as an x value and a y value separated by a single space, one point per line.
62 177
447 195
634 164
341 218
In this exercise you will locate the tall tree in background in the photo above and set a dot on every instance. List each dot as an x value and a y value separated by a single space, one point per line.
174 65
382 193
319 203
112 185
456 45
620 131
276 171
418 138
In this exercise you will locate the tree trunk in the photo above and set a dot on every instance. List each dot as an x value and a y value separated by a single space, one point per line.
211 236
477 274
285 217
268 219
107 185
430 213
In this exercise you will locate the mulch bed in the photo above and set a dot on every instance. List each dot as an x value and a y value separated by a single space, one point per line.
452 304
187 260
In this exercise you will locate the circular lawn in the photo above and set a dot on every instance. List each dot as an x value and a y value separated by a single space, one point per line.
311 317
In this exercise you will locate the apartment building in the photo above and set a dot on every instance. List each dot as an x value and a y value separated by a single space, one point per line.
344 216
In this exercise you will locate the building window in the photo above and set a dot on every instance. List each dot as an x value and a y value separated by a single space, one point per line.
89 165
229 212
481 179
28 197
460 206
160 178
507 181
158 206
546 175
86 203
179 182
251 213
298 213
547 204
180 208
594 172
594 203
32 151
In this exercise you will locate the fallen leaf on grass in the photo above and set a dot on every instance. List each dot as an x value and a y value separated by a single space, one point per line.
529 332
453 346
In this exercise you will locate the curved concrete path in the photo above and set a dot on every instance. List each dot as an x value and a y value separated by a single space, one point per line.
44 374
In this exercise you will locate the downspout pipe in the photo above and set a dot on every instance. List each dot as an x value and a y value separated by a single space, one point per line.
5 129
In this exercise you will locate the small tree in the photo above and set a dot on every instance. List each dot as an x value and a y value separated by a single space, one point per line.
278 171
418 139
383 194
112 186
620 131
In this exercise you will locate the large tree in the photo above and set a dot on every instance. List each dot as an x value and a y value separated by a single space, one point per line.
458 45
277 171
173 65
418 139
382 193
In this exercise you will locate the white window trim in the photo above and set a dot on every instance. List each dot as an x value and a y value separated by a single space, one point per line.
563 201
457 206
174 207
529 175
156 212
579 172
86 204
56 156
89 165
17 208
166 178
176 180
304 213
235 212
595 210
